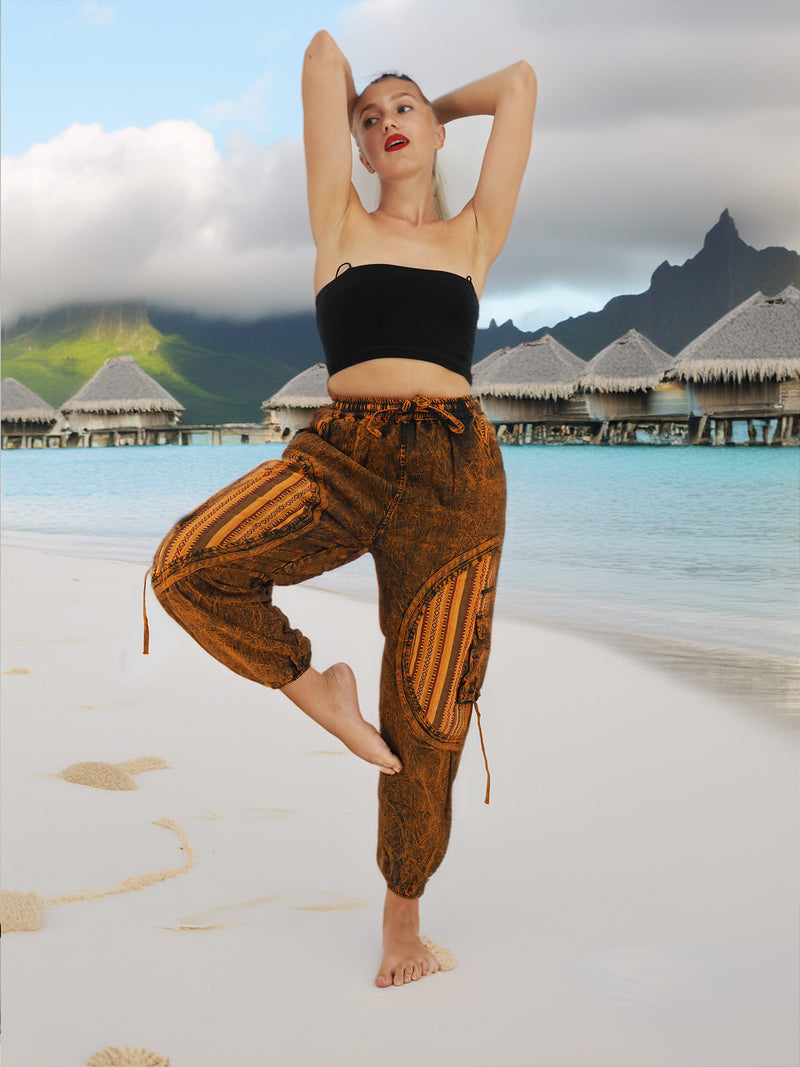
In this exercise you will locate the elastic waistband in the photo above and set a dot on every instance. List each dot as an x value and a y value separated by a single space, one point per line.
379 411
419 405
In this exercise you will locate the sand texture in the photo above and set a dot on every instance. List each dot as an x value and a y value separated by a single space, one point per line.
127 1057
21 911
25 911
111 775
628 898
444 957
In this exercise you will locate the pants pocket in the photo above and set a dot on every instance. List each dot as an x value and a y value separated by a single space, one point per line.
443 644
277 498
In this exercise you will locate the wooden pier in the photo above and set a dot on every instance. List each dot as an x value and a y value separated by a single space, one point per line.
762 428
228 434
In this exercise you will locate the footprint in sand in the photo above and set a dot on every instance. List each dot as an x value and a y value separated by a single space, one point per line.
111 775
127 1057
267 814
263 910
25 911
17 670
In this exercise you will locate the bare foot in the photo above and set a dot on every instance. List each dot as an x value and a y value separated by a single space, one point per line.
405 957
331 699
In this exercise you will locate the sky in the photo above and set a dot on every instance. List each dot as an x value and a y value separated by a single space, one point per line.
152 148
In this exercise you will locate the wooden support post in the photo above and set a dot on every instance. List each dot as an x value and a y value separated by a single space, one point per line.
697 428
598 433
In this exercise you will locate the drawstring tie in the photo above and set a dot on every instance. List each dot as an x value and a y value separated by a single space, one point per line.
322 419
146 635
406 411
483 750
483 427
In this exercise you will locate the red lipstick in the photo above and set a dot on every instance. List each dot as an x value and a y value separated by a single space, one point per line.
394 142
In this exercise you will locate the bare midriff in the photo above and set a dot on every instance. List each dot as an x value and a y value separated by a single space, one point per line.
397 379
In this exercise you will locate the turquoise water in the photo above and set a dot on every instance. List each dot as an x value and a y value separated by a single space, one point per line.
699 544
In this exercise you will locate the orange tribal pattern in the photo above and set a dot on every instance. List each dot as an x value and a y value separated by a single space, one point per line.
273 498
438 646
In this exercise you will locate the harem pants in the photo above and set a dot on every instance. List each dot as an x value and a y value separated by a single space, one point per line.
420 485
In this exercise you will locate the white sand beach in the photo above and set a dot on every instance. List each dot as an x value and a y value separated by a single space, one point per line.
628 898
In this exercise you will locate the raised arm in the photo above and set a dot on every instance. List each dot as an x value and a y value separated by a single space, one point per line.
328 98
510 96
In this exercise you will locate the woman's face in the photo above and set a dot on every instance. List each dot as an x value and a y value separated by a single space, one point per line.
395 127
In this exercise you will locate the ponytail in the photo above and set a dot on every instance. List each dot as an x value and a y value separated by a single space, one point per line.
439 196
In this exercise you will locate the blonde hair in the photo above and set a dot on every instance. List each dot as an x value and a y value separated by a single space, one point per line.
437 182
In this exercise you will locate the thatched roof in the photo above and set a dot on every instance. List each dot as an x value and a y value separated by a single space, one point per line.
759 339
21 404
121 386
541 370
309 389
480 368
630 363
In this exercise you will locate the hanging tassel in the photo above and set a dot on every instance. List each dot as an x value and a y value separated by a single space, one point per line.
146 635
483 750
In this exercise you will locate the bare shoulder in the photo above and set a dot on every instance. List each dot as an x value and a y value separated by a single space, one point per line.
342 243
450 245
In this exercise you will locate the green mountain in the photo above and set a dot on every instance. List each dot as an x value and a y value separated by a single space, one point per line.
56 353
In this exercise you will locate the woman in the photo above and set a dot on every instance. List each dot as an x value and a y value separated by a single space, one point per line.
402 464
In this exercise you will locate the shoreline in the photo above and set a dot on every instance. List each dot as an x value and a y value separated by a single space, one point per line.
764 682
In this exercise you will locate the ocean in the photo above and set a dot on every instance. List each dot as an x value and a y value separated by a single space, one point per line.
688 556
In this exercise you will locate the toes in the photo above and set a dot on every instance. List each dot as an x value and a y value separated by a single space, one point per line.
383 981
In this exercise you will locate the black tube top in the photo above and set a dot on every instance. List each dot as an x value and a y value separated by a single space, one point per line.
380 310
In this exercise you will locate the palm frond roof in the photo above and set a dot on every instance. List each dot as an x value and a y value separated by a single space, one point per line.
21 404
630 363
758 340
121 386
541 370
309 389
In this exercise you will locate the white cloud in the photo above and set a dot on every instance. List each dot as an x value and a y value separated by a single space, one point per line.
653 117
156 214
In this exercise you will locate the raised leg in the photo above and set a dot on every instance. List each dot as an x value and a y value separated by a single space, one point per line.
330 698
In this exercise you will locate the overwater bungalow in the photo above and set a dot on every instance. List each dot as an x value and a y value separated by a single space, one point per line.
122 405
293 406
27 419
624 386
534 384
746 367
